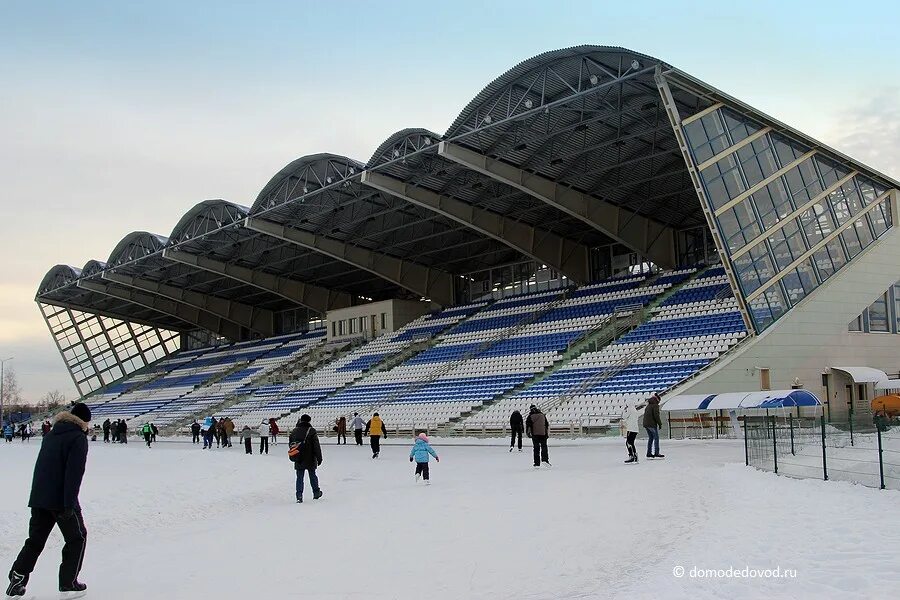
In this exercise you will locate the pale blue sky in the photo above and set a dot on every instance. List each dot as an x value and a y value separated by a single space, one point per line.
117 116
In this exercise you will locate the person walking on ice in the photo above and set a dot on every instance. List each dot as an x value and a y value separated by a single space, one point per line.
306 454
630 423
264 437
376 430
147 432
420 453
58 472
357 424
537 427
517 427
246 433
652 423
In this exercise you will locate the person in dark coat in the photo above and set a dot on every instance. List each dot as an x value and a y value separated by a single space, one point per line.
58 472
123 431
537 427
195 432
517 427
652 423
306 439
341 427
106 427
154 431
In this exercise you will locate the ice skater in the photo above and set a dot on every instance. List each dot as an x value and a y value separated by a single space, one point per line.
246 433
420 453
358 424
306 454
537 427
58 472
106 428
273 429
341 428
208 430
376 430
517 427
630 424
195 432
147 432
264 437
652 423
8 432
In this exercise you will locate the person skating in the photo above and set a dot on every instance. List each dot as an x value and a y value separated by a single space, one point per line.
652 423
264 437
358 425
8 432
195 432
154 431
420 452
246 434
208 429
147 432
106 428
114 431
217 432
304 440
630 424
227 431
45 427
537 427
122 428
58 472
273 429
341 425
517 427
376 430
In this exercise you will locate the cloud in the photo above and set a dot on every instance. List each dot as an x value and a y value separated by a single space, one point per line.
870 132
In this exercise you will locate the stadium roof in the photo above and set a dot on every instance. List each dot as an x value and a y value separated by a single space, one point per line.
565 152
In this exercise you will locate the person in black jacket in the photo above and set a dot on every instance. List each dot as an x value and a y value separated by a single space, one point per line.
106 426
517 427
537 427
58 472
195 432
305 437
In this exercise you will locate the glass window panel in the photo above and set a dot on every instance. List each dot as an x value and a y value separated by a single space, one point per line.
851 242
787 150
772 203
864 230
824 264
745 269
867 189
881 218
878 315
855 324
738 225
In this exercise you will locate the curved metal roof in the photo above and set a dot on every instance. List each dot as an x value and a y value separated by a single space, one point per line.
588 118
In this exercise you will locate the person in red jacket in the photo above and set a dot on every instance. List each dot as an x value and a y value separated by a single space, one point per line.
273 429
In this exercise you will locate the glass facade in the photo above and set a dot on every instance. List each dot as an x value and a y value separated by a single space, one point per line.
99 350
789 217
882 316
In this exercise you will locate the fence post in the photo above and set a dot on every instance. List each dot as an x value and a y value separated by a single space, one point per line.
791 421
716 417
824 454
746 446
851 428
669 420
880 455
774 446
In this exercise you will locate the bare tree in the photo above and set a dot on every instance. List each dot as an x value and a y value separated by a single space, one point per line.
53 399
12 394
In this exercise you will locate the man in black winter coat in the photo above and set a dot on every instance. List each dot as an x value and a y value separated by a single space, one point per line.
306 439
537 427
58 472
195 432
517 427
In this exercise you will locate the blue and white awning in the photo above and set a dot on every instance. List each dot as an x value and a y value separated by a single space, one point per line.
733 400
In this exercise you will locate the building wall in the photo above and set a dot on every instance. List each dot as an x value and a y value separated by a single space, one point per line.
813 337
378 318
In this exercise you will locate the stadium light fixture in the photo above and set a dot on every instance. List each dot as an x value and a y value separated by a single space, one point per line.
594 80
528 103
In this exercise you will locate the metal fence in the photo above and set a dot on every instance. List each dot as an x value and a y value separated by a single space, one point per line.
858 451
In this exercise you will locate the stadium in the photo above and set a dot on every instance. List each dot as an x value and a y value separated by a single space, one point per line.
594 226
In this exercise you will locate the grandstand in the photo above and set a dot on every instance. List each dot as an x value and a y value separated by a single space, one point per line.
595 226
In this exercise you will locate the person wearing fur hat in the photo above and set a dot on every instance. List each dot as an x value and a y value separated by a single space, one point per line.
58 472
420 453
629 422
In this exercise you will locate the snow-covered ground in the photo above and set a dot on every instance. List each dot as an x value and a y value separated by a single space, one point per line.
176 522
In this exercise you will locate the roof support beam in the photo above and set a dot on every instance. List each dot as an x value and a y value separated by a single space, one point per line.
653 240
179 310
258 320
311 296
425 281
566 256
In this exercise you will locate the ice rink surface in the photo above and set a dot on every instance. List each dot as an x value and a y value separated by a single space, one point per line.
176 522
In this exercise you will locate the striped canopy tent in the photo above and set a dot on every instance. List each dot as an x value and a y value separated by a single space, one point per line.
745 400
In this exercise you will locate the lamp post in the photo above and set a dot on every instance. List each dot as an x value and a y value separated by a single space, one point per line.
2 364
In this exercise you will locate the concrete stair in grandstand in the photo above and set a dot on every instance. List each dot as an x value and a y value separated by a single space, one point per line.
444 368
301 366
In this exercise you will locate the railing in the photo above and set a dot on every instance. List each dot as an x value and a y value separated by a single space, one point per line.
448 366
601 376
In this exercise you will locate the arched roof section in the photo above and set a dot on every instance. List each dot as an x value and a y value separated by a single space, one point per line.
405 141
542 79
135 245
58 276
305 175
92 267
207 216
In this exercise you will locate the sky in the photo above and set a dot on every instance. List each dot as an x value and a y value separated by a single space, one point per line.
120 116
